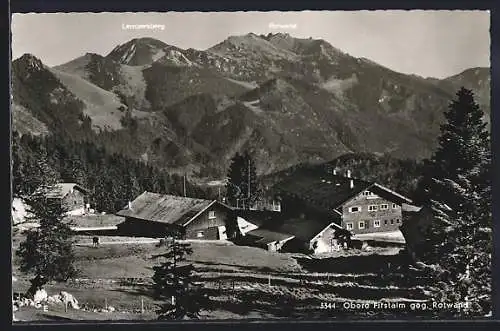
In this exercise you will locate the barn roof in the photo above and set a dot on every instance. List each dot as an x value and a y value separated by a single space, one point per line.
267 236
60 190
304 228
328 191
165 208
259 217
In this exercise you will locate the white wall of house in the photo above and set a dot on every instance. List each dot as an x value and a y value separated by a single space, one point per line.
222 232
76 212
19 211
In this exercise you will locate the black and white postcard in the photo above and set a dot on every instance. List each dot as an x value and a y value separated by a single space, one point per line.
300 165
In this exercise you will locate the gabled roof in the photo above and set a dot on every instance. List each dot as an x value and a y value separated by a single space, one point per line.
304 228
328 191
60 190
410 208
259 217
267 236
164 208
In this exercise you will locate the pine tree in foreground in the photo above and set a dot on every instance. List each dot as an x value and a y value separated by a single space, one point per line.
47 251
458 243
175 283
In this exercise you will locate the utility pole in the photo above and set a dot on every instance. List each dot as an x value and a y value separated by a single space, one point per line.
184 184
248 184
248 177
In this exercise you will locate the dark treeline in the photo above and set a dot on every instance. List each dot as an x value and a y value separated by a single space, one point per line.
111 179
401 175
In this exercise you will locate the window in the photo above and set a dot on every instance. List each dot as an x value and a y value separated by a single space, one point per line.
211 214
385 222
369 195
354 209
392 221
384 206
199 234
348 226
394 206
361 224
398 220
376 223
372 208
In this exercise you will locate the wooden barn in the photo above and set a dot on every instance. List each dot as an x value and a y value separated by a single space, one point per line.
73 197
158 215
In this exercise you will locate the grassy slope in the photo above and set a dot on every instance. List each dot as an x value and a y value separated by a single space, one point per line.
101 105
23 121
235 277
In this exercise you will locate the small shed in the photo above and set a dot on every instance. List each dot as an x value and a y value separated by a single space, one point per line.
270 240
73 197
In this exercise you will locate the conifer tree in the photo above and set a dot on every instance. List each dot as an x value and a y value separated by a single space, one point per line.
457 187
242 187
463 147
47 251
175 283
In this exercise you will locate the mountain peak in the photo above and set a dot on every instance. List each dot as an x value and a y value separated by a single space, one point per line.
282 35
138 51
31 62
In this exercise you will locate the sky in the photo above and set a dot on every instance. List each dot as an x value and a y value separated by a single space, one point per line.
426 43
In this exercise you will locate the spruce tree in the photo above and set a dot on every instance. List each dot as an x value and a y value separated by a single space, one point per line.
463 147
242 188
234 180
47 251
175 284
457 187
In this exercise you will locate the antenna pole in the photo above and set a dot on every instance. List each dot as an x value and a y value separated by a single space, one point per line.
184 184
248 177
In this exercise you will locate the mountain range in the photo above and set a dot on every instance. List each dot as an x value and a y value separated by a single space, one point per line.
287 100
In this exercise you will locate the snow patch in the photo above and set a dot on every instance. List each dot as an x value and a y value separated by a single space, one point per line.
249 85
253 105
158 55
177 58
127 56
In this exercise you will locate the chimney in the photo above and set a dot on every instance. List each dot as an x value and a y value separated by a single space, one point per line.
348 174
351 183
129 205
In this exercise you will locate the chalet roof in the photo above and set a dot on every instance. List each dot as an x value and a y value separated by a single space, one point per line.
259 217
328 191
410 208
267 236
304 228
60 190
165 208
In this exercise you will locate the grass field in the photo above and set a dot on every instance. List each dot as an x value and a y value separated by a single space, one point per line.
242 282
94 220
